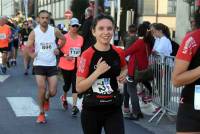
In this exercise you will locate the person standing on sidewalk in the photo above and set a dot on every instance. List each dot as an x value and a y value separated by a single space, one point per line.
68 63
5 34
43 39
100 69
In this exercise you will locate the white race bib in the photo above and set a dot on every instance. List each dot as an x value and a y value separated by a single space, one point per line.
102 86
2 36
74 51
46 47
197 97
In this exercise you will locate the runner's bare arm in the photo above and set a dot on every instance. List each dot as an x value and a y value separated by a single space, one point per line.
182 76
60 36
30 44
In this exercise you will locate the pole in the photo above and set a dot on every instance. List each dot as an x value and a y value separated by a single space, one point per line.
112 13
96 7
1 8
118 12
156 11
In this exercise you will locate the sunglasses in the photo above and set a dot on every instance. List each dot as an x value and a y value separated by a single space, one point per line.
75 26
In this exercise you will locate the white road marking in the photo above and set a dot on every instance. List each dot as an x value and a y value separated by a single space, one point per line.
3 77
23 106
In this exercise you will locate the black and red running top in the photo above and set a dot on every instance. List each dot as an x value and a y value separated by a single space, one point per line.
107 82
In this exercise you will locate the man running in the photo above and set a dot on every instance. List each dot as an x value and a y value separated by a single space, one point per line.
5 34
43 39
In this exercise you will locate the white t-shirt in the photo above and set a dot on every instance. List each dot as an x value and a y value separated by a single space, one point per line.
163 46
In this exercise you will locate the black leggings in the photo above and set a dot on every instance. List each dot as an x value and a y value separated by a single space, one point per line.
148 86
69 78
93 122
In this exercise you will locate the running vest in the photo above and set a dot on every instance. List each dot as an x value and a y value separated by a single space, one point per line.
44 47
4 35
72 48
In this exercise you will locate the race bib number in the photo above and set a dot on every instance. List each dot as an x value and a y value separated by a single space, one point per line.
2 36
197 97
45 47
74 51
102 86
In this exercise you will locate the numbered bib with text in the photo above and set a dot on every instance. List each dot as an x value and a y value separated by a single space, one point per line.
197 97
74 51
102 86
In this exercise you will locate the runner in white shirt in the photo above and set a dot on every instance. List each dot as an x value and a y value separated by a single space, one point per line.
43 39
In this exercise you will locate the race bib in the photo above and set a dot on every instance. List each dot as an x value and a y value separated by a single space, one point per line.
74 51
2 36
46 47
197 97
102 86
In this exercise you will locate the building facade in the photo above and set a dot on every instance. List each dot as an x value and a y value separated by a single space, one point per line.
159 11
9 7
56 7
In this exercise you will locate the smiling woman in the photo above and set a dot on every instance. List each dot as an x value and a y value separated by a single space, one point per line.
100 69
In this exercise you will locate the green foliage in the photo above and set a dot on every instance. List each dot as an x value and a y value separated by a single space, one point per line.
78 8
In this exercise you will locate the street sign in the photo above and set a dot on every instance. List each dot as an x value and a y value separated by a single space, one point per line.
68 14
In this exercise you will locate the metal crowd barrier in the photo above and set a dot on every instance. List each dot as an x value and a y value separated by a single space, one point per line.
164 95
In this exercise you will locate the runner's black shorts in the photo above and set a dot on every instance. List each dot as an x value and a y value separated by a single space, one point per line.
188 119
45 70
4 49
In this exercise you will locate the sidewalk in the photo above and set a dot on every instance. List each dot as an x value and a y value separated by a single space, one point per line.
166 126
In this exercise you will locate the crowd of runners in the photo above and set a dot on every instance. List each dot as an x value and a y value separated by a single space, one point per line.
92 67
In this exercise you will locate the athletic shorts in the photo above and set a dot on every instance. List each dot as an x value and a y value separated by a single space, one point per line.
45 70
188 119
4 49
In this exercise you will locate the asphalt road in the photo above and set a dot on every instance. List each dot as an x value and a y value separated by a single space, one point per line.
18 108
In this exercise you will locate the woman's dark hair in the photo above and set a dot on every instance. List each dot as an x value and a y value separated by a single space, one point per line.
101 17
132 28
143 31
163 28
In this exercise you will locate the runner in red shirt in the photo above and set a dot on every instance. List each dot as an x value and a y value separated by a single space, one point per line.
100 69
187 73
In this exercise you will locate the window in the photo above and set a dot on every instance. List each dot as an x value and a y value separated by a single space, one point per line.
148 7
171 7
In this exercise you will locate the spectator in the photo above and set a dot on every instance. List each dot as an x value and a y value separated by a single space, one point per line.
89 39
138 52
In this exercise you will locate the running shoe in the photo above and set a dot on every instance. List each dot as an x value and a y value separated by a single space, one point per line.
26 72
129 79
126 113
64 102
147 98
46 105
75 110
3 69
41 118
